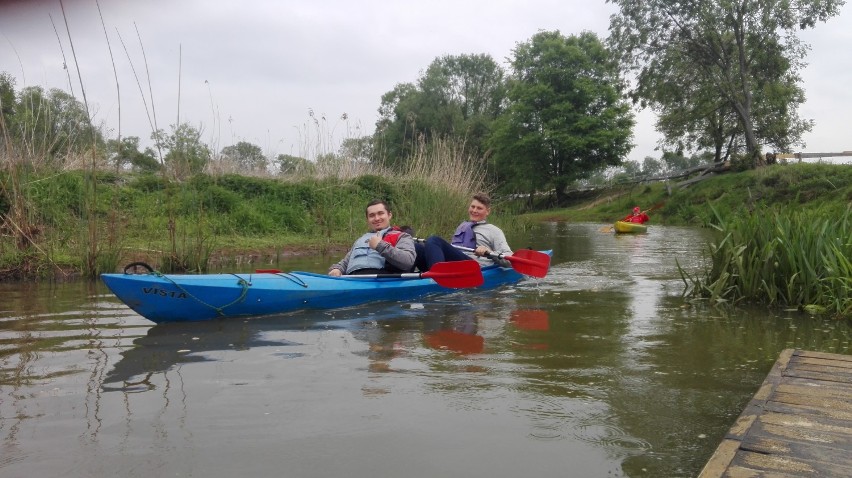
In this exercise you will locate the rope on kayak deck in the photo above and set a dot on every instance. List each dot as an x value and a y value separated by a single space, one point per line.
219 310
293 278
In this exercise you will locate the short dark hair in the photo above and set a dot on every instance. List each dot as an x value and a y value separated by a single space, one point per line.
375 202
484 198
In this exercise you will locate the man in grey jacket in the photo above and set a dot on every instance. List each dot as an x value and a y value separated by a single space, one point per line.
485 241
385 249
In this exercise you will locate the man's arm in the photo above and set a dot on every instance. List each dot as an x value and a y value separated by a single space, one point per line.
402 256
493 238
340 266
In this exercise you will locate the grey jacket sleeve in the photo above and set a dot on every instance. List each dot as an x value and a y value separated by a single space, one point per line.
341 265
402 256
492 237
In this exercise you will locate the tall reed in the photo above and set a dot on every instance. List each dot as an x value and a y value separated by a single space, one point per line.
801 260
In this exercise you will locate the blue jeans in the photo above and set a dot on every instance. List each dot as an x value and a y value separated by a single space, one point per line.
435 250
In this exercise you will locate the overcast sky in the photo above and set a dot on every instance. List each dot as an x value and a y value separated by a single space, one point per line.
253 70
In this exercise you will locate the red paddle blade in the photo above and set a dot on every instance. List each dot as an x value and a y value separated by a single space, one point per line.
456 274
530 262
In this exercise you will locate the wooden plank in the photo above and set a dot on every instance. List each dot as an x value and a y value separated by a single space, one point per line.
782 464
837 406
743 472
822 360
740 427
824 365
790 442
721 459
821 376
824 355
805 410
795 385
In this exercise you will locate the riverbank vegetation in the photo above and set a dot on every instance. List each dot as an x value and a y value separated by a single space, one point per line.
784 232
184 225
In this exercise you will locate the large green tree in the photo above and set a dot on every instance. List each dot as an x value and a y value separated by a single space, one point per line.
47 126
698 63
457 96
186 154
247 156
567 117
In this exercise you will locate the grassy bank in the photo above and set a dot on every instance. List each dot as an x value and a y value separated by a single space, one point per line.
784 233
183 226
794 187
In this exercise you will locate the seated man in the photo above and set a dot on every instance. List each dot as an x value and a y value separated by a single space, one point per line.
384 249
476 233
637 216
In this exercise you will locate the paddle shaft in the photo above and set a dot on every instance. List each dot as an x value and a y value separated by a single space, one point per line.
489 255
529 262
453 274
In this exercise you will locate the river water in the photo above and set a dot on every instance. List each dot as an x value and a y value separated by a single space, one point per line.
600 369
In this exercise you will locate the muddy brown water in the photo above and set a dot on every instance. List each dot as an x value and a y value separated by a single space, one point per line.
599 369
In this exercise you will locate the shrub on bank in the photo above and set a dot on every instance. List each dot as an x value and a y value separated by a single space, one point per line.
788 259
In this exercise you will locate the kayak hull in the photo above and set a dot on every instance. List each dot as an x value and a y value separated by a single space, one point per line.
630 227
184 297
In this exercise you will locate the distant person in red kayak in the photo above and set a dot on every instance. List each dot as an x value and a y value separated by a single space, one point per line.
385 249
636 216
476 233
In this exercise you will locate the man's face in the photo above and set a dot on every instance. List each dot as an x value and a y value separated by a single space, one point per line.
477 211
378 217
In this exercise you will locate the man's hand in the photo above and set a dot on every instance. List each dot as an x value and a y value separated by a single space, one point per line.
482 251
374 241
335 273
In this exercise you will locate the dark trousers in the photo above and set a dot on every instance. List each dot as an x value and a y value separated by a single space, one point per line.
435 250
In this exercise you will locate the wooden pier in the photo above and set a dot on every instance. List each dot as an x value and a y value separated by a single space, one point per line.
798 424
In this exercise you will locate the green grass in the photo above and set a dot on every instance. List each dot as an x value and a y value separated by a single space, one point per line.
794 187
180 226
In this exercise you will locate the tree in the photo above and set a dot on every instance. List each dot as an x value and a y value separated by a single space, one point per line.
186 154
126 153
50 125
456 96
737 57
651 166
359 150
288 164
566 117
7 97
248 157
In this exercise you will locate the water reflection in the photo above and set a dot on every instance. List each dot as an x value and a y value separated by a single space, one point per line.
168 345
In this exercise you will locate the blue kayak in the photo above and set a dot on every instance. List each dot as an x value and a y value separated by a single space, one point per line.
183 297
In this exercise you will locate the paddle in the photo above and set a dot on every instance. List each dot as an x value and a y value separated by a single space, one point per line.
453 274
526 261
654 207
